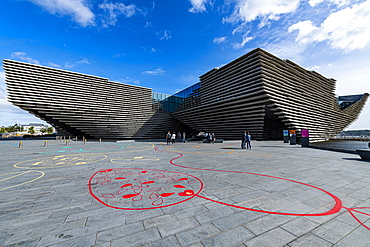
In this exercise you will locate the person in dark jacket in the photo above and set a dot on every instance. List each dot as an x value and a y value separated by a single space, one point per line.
244 139
168 138
248 141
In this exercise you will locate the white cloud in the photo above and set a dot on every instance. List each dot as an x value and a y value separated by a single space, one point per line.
116 9
68 65
347 29
148 24
164 35
198 6
117 55
314 3
78 9
84 61
154 72
246 39
219 40
50 64
129 80
21 55
250 10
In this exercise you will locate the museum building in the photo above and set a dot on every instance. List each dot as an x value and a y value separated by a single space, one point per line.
258 92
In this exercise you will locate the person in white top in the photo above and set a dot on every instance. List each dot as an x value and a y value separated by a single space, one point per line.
173 138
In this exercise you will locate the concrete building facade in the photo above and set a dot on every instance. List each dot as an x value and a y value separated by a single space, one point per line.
257 92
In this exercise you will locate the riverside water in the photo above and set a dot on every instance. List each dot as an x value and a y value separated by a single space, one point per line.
341 145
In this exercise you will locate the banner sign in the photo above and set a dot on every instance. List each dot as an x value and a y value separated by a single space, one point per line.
305 133
292 132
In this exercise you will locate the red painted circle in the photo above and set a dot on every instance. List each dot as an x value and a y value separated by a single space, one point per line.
139 189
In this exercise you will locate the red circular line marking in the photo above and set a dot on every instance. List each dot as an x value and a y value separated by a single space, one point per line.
335 209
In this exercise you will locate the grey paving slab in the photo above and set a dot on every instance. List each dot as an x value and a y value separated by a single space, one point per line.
359 237
88 240
275 237
178 226
197 234
45 197
213 215
268 222
118 232
158 221
333 231
170 241
188 212
236 219
138 239
231 237
311 240
300 226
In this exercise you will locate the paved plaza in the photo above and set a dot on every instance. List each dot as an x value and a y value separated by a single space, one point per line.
191 194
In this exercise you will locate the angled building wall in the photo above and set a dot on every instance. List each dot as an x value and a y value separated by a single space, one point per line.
264 95
84 105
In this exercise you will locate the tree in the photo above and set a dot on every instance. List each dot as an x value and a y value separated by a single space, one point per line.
31 130
50 130
43 130
3 130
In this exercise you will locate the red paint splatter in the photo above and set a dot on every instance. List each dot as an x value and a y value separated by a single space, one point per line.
179 186
186 193
149 182
125 185
144 171
167 194
108 170
129 195
120 178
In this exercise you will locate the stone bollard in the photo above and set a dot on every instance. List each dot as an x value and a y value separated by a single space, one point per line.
20 144
45 143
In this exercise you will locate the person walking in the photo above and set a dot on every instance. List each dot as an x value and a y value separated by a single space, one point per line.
168 138
173 138
248 141
213 138
179 136
183 137
244 139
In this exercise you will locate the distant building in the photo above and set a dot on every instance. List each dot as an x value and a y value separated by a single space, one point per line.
37 127
257 92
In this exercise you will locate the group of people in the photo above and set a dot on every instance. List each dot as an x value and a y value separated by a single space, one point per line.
171 138
246 140
211 137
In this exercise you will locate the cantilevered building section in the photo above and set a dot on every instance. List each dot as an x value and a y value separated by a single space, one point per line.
265 95
83 105
257 92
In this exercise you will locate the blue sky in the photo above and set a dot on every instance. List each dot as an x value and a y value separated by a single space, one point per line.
166 45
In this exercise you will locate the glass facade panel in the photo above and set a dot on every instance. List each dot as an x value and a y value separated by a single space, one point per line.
189 97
